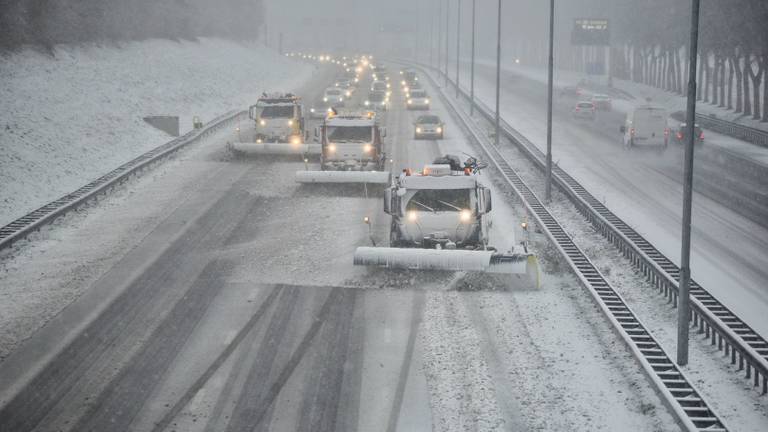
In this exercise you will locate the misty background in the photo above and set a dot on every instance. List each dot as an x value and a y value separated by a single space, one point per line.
648 38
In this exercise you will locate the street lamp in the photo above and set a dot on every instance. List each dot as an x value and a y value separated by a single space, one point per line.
550 74
472 67
683 299
498 71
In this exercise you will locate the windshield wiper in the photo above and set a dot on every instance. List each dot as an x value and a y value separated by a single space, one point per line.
449 205
423 205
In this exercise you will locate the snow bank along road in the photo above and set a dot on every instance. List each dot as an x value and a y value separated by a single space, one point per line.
214 294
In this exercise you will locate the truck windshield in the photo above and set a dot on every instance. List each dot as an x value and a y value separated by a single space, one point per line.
350 133
439 200
277 112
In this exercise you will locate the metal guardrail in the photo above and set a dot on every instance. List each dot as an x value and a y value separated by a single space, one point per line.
749 134
746 348
35 220
691 409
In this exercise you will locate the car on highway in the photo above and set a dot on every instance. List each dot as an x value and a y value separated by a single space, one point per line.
584 110
602 102
417 99
571 91
346 86
413 86
682 133
428 126
319 111
646 126
334 97
381 86
377 100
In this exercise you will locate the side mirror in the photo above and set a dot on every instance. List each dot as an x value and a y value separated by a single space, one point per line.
487 200
622 129
383 132
388 201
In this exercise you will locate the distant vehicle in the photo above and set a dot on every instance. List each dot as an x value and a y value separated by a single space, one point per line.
377 100
417 99
682 131
414 86
428 126
602 102
409 76
381 86
334 97
584 110
646 126
319 111
571 91
346 86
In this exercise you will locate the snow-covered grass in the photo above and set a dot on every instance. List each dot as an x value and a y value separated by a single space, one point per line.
71 117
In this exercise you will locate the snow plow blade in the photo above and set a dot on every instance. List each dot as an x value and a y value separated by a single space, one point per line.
275 148
447 259
373 177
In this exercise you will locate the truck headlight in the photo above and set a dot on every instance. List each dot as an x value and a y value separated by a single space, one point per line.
426 101
418 130
439 130
325 99
348 93
465 216
367 103
413 216
410 101
367 148
262 122
290 122
332 148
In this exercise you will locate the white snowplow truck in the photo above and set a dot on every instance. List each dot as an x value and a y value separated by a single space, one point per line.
278 127
351 151
440 220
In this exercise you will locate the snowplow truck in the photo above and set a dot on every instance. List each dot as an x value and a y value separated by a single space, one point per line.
278 127
440 221
351 151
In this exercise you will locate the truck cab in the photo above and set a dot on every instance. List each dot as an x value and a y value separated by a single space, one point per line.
351 142
278 118
443 207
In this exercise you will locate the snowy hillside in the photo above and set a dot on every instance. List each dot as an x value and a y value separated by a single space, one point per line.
67 119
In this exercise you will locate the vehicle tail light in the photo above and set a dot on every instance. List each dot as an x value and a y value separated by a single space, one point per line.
679 135
632 131
666 131
701 136
577 109
467 171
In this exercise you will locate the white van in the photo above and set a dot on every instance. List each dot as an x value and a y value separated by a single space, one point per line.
646 126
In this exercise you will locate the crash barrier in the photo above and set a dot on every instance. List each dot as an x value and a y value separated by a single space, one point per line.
35 220
746 349
749 134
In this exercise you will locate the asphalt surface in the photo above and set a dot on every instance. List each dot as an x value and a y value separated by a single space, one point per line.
241 310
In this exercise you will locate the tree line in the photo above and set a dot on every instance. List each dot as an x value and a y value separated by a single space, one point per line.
650 45
45 23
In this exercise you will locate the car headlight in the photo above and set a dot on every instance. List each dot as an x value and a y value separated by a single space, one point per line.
465 215
439 130
388 86
311 110
341 99
367 148
290 122
348 93
366 103
426 101
262 122
295 140
410 101
325 99
418 130
332 148
413 216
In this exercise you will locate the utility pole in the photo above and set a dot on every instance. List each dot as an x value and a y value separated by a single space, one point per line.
472 67
683 299
498 71
458 43
447 25
550 77
439 34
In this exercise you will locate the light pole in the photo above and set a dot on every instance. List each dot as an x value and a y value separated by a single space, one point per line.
683 305
550 73
498 71
439 34
458 43
447 24
472 67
